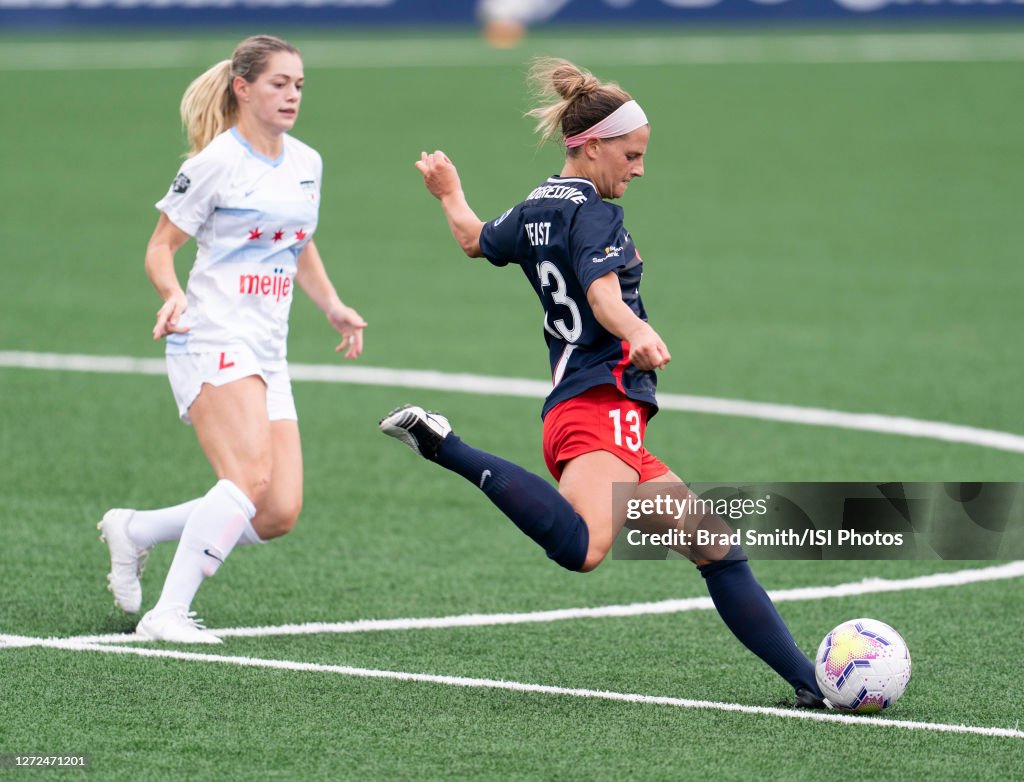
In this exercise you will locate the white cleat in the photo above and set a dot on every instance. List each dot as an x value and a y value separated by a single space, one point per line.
127 561
421 430
175 625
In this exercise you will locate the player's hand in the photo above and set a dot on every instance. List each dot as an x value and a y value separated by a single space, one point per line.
439 174
647 350
168 316
350 324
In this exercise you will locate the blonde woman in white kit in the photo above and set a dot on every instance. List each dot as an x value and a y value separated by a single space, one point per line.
249 193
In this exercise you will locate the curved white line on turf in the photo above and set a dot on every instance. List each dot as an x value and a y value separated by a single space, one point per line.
850 589
520 387
543 689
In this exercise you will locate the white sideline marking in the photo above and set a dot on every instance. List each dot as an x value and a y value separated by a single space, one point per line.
865 587
521 387
544 689
955 578
468 51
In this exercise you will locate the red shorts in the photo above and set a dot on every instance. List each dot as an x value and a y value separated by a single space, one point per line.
602 418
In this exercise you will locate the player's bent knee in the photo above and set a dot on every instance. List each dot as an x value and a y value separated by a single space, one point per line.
596 554
278 523
279 519
274 528
283 523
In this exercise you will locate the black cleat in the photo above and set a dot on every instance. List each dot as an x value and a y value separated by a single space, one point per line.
421 430
805 699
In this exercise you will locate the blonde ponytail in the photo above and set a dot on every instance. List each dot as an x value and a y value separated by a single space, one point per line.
208 107
571 99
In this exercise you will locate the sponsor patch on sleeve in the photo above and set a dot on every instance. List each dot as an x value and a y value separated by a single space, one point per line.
180 183
501 219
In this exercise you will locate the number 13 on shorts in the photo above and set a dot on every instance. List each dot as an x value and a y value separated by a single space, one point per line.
633 438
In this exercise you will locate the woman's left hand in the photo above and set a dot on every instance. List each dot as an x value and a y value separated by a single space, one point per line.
350 324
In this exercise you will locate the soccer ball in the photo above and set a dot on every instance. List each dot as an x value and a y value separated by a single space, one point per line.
862 665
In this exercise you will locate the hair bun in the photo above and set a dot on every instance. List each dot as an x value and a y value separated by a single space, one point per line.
570 82
571 99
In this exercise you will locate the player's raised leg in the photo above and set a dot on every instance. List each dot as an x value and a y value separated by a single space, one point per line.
529 501
129 535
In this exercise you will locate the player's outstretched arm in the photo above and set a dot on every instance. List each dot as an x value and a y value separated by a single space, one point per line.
312 278
646 348
166 240
442 180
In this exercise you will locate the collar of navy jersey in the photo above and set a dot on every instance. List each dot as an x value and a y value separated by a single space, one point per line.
558 180
275 162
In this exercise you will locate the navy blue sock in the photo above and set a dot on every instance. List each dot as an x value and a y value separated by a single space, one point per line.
532 503
748 611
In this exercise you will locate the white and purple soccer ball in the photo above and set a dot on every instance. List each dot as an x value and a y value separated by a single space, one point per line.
862 666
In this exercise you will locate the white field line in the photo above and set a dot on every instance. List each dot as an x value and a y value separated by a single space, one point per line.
429 51
955 578
865 587
543 689
521 387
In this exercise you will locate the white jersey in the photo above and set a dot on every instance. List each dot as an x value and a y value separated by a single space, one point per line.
251 217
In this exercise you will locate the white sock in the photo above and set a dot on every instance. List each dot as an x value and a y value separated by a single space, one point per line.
211 532
149 527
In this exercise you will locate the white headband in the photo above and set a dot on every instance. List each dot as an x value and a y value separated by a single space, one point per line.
625 119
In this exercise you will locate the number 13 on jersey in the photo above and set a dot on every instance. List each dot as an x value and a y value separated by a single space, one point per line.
633 439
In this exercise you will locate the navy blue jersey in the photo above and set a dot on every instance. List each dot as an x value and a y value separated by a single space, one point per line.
564 236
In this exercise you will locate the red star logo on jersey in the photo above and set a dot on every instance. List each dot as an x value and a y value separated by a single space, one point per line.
300 234
278 235
255 233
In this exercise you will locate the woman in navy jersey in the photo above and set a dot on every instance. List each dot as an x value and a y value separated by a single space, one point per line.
250 195
570 242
